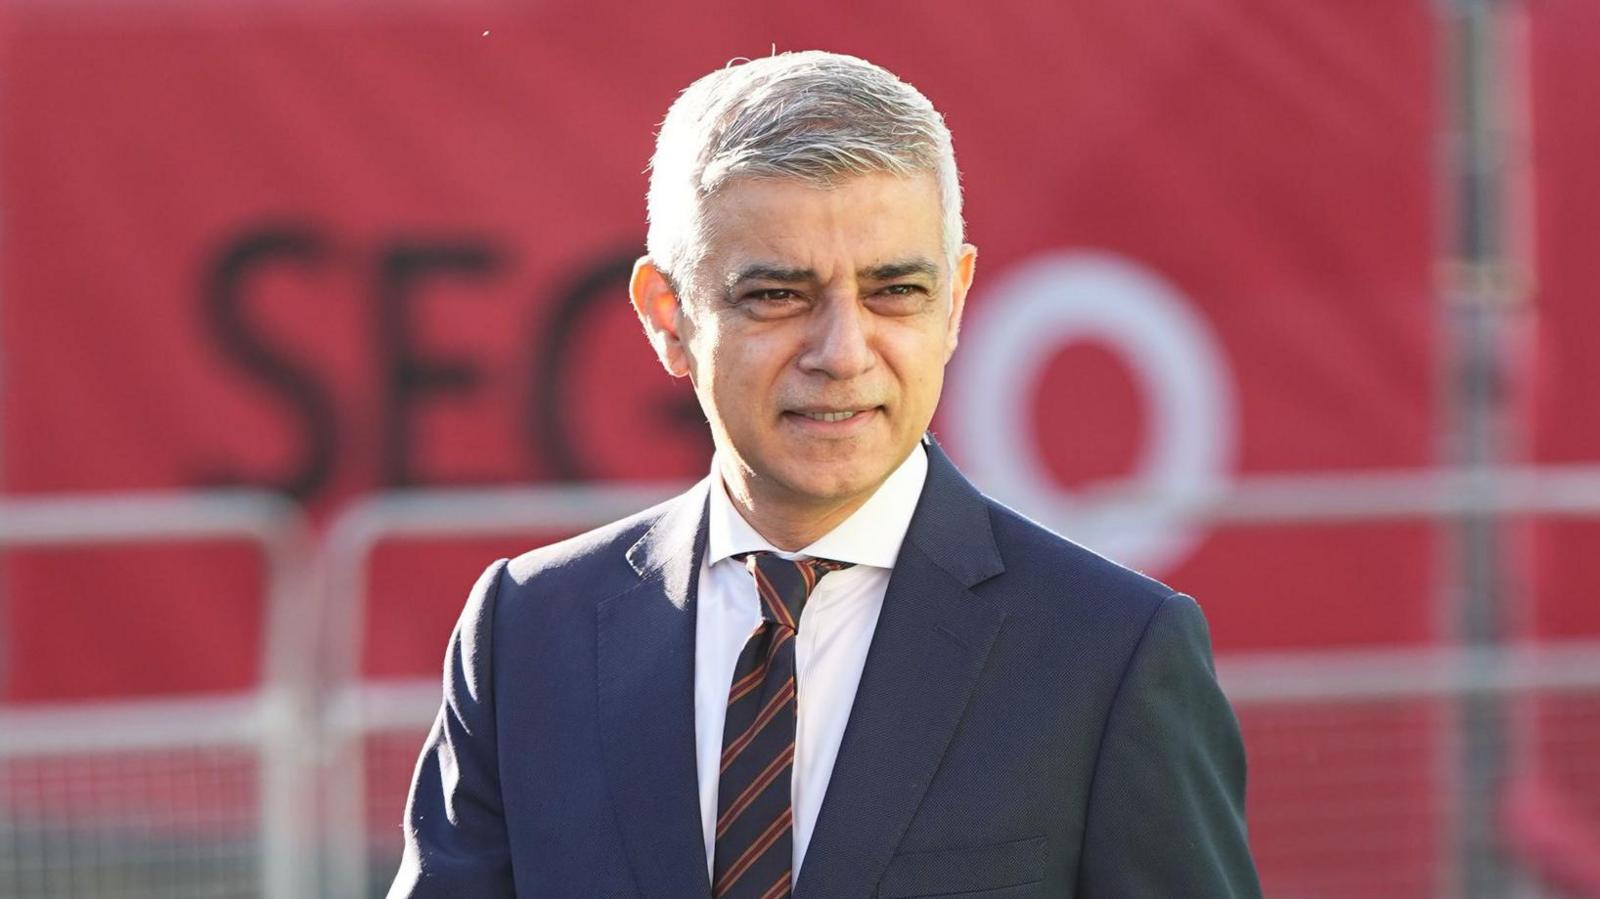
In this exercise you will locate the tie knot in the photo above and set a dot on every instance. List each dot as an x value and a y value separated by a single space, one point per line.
784 585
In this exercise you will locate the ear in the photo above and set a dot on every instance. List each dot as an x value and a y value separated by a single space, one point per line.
661 313
960 283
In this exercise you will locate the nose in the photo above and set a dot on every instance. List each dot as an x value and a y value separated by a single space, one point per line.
840 342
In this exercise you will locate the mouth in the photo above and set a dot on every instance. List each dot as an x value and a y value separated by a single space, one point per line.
832 416
832 419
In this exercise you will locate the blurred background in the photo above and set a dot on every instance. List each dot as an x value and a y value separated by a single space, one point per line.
309 311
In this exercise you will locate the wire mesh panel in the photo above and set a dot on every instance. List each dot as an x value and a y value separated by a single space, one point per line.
170 793
391 757
1355 776
1552 810
167 823
1343 797
1350 797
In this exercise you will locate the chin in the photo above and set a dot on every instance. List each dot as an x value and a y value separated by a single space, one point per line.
835 486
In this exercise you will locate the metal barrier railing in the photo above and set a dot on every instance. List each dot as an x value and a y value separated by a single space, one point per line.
272 723
351 536
358 709
313 831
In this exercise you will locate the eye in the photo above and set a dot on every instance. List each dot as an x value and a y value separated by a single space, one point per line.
771 303
900 299
901 290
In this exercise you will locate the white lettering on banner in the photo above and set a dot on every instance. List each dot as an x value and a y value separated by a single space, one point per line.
1060 298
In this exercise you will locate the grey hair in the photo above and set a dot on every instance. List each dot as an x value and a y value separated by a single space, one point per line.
815 116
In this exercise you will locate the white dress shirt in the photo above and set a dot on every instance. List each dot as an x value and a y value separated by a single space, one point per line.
836 629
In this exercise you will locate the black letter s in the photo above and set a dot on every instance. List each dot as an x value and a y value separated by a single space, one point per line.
224 299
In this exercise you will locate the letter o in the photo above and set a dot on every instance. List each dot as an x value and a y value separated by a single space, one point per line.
1178 363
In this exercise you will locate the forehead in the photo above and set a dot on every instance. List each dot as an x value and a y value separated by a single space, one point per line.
862 219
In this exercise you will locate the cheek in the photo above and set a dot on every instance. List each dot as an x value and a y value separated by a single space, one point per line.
750 349
741 371
706 348
918 361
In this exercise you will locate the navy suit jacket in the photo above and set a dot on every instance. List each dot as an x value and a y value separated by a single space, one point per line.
1032 720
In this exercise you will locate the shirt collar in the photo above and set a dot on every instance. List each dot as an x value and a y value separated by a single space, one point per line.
870 536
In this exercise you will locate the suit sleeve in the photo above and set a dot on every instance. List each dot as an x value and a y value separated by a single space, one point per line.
1166 807
455 832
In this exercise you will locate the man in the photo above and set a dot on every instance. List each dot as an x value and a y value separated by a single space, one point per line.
832 667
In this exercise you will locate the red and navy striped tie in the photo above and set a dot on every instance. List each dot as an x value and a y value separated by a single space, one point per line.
755 845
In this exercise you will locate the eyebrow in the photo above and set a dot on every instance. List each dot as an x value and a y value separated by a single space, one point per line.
764 272
892 270
885 272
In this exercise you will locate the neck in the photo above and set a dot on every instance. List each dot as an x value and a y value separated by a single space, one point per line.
790 530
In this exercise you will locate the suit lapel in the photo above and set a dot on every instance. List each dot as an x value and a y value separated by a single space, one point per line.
645 659
932 639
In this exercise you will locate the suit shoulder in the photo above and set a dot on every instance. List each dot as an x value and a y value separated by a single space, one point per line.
1036 556
591 557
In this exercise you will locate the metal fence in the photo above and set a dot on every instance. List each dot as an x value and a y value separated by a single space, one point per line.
375 729
198 797
1357 784
295 788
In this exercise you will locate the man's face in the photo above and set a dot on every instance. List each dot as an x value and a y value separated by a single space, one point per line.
815 329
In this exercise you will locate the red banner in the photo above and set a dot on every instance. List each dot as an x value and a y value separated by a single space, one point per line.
1555 806
335 251
331 251
1566 373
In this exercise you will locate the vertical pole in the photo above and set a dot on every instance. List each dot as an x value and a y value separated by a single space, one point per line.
289 735
1478 290
342 587
5 481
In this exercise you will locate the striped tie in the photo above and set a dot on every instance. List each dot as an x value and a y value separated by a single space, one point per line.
755 846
